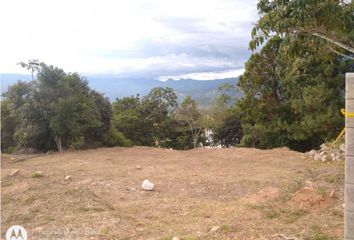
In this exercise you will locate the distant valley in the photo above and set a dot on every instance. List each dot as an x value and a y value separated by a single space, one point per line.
204 92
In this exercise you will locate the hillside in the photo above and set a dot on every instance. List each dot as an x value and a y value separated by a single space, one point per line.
199 194
202 91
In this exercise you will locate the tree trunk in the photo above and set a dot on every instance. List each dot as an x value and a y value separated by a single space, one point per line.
349 159
58 143
195 141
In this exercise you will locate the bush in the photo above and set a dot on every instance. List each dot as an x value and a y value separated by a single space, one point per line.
115 138
77 143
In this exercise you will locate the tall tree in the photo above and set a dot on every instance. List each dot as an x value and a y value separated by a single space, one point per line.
188 113
158 108
292 99
329 20
56 109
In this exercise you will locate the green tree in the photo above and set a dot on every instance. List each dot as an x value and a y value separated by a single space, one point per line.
129 120
261 105
292 100
56 110
189 114
96 136
229 130
329 20
8 127
149 120
32 65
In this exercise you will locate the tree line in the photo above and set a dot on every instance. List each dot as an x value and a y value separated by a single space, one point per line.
58 110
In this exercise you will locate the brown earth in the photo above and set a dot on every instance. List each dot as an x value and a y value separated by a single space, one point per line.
310 198
246 193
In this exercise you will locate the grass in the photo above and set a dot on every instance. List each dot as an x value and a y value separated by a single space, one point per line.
286 214
225 228
317 234
37 174
194 190
293 215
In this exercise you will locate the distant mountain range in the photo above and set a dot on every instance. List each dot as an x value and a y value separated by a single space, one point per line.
204 92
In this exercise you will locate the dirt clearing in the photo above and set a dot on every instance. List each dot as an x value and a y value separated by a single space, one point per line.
195 191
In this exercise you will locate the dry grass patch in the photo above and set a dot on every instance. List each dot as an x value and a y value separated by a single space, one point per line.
195 190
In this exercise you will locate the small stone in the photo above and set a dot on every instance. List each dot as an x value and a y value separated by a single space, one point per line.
67 178
332 194
342 147
312 152
15 172
214 229
324 158
317 157
175 238
147 185
139 167
322 153
324 146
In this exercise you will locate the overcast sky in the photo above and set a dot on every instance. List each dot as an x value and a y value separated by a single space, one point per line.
154 38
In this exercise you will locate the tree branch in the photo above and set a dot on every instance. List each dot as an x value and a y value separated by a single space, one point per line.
317 33
339 44
342 54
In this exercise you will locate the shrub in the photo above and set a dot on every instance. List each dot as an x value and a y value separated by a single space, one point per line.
115 138
77 143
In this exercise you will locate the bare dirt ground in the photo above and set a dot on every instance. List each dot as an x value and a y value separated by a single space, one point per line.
199 194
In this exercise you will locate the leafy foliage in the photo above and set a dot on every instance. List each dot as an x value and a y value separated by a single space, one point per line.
292 100
149 120
189 114
57 110
229 131
330 20
115 138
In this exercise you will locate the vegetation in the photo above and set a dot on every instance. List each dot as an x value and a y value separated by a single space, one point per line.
55 111
58 110
293 90
294 87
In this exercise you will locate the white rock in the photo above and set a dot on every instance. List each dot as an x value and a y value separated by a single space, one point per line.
324 146
139 167
147 185
67 178
175 238
317 157
324 158
312 152
214 229
342 147
322 153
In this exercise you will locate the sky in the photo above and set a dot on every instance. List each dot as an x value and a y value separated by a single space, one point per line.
162 39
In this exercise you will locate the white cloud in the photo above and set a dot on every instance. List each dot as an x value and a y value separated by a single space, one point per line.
73 34
206 75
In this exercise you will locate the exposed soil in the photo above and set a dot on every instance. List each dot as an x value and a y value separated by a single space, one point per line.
310 198
246 193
